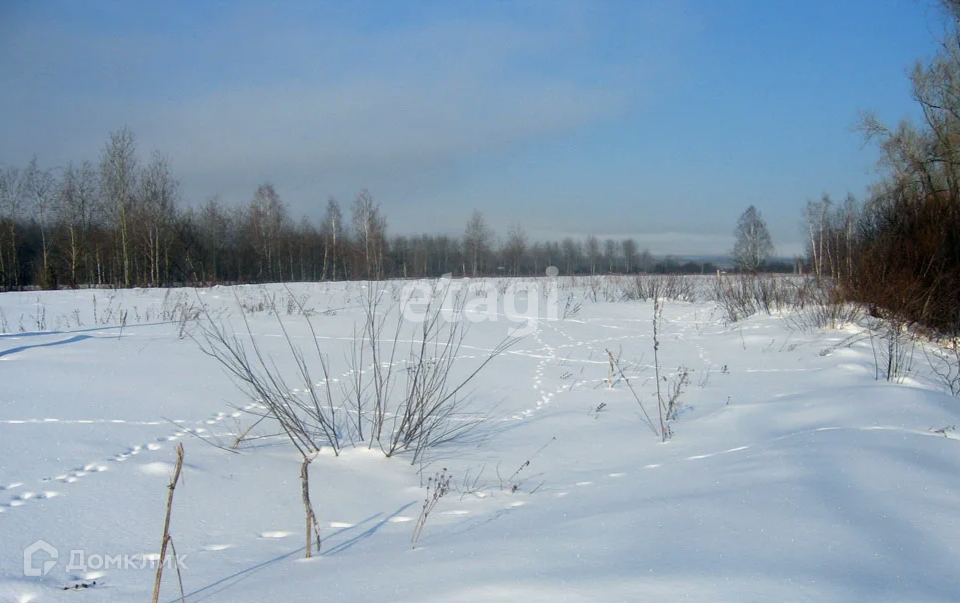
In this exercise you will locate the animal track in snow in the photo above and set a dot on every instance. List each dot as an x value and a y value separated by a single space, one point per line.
78 422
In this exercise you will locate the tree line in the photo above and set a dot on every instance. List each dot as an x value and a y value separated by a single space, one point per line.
120 221
898 251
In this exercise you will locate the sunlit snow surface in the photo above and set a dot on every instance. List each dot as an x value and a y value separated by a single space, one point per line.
792 473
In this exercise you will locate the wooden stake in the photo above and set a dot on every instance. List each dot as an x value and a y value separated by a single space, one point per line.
166 523
610 372
312 525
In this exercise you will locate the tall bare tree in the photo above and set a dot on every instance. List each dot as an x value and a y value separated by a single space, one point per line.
158 194
371 229
572 254
78 198
515 248
118 179
476 242
752 243
610 254
448 254
401 256
907 245
592 249
815 219
216 231
12 196
41 187
645 262
331 228
267 219
628 248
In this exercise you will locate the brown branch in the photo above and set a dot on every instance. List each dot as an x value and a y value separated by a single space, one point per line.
166 523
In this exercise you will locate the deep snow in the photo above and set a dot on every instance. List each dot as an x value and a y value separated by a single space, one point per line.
792 473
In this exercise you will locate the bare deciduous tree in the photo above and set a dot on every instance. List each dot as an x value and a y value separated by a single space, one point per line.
514 249
628 248
331 227
268 218
78 204
41 185
118 177
158 193
370 228
592 248
216 226
12 194
476 242
571 254
610 254
752 245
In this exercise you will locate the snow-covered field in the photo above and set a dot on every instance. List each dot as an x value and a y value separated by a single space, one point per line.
792 473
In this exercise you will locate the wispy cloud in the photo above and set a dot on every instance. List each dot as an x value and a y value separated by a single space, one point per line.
261 91
414 105
370 119
371 103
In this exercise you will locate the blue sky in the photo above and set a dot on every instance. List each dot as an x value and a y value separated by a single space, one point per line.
657 120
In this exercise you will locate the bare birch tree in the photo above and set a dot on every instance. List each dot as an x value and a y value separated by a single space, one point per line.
41 187
476 242
158 193
370 228
118 178
592 249
12 195
753 244
77 200
331 228
515 248
628 248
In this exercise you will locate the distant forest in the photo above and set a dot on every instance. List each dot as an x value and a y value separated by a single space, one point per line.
120 222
